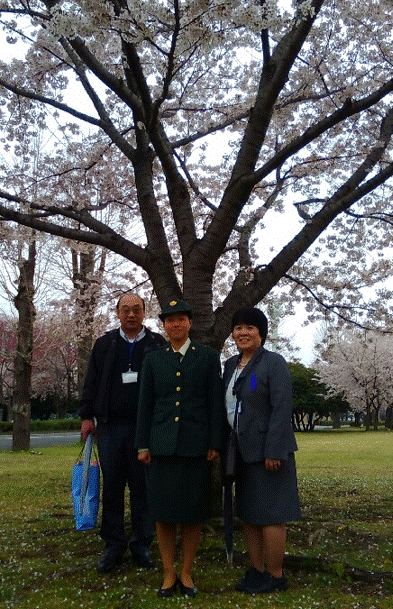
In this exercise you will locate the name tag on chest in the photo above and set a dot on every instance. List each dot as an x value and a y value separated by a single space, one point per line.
129 377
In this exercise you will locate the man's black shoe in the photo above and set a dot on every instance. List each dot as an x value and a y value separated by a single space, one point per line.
142 557
109 560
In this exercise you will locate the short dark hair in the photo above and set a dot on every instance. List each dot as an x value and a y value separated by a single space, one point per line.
130 294
251 317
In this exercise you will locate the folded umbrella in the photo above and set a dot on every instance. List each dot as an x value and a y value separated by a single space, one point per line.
228 519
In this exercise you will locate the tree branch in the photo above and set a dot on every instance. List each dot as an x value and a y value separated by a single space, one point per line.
332 308
20 91
194 186
170 65
117 85
100 234
218 127
248 293
239 188
348 109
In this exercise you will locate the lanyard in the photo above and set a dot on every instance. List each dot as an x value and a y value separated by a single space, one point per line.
131 349
238 402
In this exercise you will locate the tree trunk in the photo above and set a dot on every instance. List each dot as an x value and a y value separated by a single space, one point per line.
368 416
358 422
60 406
87 285
24 303
9 408
85 344
311 421
375 417
3 408
336 420
367 421
389 417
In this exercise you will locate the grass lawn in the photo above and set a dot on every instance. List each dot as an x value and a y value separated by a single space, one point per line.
346 485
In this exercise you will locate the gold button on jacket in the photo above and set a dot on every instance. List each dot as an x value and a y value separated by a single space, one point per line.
186 427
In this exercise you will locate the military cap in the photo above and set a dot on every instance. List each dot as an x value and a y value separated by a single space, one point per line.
175 306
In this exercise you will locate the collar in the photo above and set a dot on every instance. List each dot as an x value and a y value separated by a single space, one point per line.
256 356
139 336
183 348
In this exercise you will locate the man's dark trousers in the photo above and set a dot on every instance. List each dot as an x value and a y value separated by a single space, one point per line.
120 466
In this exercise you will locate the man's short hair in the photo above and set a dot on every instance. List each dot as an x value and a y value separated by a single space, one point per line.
130 294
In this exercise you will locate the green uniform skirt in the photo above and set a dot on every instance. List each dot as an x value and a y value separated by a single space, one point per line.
179 489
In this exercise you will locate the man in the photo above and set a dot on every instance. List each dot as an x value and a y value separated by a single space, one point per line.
110 396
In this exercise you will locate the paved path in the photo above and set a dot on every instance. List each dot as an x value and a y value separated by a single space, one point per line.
42 440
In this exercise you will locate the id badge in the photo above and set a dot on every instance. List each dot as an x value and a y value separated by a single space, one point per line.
129 377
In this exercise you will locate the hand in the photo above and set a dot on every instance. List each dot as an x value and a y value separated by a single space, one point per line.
212 454
144 456
272 465
86 428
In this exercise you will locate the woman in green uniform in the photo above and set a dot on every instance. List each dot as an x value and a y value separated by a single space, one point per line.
179 434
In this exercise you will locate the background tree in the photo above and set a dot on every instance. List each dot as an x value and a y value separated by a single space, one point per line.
7 353
92 282
212 117
81 282
87 280
24 303
55 361
310 400
359 367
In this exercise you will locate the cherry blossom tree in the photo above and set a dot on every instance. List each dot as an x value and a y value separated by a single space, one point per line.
78 283
17 278
7 353
207 120
87 286
359 367
24 303
55 360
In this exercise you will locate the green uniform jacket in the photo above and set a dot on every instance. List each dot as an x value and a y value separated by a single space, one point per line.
181 404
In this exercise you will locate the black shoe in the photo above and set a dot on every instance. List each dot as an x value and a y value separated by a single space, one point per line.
109 559
186 591
251 577
260 582
142 557
167 592
246 580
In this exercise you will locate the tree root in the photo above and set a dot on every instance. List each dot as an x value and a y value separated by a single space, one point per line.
311 563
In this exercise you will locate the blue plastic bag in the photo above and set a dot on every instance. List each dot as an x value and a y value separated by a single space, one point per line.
85 489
